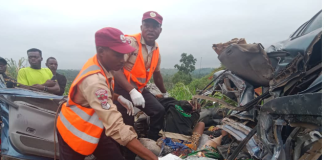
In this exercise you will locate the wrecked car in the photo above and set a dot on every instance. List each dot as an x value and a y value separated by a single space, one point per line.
285 121
28 118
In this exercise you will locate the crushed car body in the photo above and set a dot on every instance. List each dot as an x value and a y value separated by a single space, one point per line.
289 111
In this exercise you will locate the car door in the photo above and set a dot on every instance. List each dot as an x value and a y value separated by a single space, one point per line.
28 123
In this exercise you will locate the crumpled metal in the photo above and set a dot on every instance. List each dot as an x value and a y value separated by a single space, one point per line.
7 148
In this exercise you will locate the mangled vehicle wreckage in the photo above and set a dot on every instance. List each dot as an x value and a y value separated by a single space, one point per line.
268 106
283 121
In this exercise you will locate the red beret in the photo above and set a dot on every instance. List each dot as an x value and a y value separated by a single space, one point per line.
152 15
114 39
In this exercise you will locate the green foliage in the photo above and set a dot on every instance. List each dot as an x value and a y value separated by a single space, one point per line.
169 71
184 69
187 63
199 84
13 67
180 92
67 88
168 75
184 92
167 80
197 73
223 97
70 76
181 77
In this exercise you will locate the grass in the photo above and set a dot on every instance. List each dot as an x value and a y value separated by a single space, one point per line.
185 92
181 92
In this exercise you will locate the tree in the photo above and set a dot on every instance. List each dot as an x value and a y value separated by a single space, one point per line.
184 69
13 67
187 63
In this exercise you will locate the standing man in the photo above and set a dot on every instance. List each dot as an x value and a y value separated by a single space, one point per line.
140 66
36 76
89 122
51 63
9 82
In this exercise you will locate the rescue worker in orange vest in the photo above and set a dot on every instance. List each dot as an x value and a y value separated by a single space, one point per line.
140 66
89 122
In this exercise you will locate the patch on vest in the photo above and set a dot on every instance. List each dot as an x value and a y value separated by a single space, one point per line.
102 96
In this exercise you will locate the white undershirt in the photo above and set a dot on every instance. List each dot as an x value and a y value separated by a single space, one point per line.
149 49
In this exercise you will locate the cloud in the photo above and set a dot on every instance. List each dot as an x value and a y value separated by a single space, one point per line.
65 29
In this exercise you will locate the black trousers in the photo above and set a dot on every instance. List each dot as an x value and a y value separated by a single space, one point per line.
153 108
107 149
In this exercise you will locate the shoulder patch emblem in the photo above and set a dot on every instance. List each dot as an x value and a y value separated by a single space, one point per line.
102 96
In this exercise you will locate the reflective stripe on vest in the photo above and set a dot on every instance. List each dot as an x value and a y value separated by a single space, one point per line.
142 80
77 132
94 119
80 127
89 69
139 76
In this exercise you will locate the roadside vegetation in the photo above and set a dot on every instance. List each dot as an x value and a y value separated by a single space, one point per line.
14 66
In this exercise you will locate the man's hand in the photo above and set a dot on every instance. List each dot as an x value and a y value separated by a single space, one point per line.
127 104
159 96
166 95
158 80
137 98
49 83
163 95
137 147
38 86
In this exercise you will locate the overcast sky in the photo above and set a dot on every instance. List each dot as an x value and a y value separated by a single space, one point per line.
65 29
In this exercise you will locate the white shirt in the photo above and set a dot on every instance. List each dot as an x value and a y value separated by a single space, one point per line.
149 49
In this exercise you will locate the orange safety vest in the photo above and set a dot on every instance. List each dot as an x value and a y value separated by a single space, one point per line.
79 126
139 76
